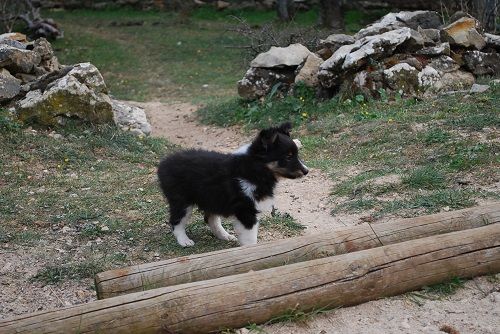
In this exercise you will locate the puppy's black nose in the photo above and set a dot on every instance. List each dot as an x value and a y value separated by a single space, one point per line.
305 171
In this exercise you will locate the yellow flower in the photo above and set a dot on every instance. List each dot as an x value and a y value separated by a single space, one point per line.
304 114
391 120
58 166
66 159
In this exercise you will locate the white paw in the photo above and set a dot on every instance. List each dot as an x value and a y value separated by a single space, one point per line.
185 241
229 237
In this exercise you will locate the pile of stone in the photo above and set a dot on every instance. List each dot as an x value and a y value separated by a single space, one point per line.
406 53
38 89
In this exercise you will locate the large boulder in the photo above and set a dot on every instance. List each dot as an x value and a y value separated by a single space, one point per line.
292 55
464 33
258 81
81 94
9 86
308 72
130 118
481 63
351 57
393 21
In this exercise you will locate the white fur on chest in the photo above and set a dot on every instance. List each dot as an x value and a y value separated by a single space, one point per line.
248 189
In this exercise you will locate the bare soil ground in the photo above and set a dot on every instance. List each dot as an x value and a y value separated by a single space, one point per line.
474 308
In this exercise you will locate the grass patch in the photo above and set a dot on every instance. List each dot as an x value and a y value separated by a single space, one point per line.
282 223
172 56
75 271
445 288
299 107
427 177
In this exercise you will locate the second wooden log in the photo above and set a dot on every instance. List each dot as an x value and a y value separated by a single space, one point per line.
273 254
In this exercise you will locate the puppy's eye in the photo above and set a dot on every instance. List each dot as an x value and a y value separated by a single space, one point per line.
289 156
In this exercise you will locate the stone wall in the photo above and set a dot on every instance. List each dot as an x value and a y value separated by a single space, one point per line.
404 53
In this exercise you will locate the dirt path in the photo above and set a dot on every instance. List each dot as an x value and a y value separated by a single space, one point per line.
474 308
305 199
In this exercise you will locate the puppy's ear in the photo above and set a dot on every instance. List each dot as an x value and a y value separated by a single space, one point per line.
268 137
285 128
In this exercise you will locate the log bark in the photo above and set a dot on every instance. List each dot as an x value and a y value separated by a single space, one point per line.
273 254
256 297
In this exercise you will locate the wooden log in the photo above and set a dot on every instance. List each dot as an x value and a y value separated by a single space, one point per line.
255 297
272 254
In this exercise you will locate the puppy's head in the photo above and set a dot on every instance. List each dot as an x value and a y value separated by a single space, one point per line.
280 153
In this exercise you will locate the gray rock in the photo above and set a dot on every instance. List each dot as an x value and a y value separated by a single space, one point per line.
432 51
444 64
308 73
81 93
292 55
18 60
365 83
351 57
335 41
25 78
49 62
9 86
379 46
431 81
403 77
13 43
492 41
43 48
258 82
130 118
431 36
481 63
476 88
457 80
428 77
392 21
13 36
463 32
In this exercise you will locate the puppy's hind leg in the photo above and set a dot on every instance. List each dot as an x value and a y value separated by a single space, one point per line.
214 222
179 218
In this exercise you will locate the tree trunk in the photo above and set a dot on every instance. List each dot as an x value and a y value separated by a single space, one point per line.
331 14
273 254
286 10
256 297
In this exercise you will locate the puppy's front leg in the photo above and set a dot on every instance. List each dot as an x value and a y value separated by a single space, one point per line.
246 228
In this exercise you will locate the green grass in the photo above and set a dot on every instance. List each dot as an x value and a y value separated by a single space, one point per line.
76 271
282 222
171 56
95 189
427 177
430 144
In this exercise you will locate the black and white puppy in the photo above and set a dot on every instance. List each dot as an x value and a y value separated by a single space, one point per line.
228 184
